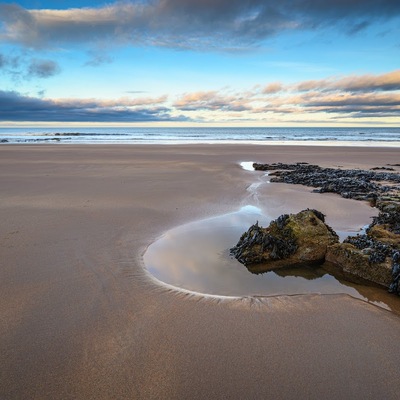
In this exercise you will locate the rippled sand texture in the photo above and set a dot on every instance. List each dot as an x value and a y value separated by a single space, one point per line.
81 319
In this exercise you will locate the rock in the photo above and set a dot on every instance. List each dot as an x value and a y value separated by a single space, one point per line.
389 216
354 184
382 168
375 249
383 234
354 263
376 255
290 240
394 286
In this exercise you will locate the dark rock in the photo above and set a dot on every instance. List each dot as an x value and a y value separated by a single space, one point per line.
354 184
353 262
382 168
290 240
389 217
377 251
374 256
3 141
394 286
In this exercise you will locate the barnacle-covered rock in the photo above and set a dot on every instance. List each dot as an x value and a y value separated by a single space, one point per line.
376 255
357 263
354 184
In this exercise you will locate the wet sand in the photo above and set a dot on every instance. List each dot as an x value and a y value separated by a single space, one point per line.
81 319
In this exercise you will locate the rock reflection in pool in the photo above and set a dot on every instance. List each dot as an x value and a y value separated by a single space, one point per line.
196 257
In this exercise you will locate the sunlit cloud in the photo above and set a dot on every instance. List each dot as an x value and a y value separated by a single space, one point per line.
211 100
274 87
363 83
361 96
358 97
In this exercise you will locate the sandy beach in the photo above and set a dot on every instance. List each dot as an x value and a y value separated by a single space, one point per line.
80 317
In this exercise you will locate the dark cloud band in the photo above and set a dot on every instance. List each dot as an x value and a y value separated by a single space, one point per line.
186 24
16 107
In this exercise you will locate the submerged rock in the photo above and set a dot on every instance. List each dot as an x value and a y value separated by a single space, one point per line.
290 240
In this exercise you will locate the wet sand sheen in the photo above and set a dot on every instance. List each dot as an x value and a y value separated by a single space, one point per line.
80 318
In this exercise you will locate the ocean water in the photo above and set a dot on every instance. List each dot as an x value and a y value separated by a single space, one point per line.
362 136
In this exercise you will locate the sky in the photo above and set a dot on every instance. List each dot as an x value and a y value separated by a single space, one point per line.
200 63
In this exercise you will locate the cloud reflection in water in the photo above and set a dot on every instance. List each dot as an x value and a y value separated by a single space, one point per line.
196 257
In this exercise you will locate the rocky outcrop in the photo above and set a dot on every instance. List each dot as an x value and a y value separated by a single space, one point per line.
354 263
374 256
354 183
389 217
304 239
395 285
290 240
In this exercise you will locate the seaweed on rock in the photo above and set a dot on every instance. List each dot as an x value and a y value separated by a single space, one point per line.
354 183
290 240
279 241
394 286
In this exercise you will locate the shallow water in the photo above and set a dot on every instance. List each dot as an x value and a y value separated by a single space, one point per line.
343 136
196 257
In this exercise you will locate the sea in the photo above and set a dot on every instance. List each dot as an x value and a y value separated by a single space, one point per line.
383 136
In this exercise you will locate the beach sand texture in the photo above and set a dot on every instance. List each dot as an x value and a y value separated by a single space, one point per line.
80 318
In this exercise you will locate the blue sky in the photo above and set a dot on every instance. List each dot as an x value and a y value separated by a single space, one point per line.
200 62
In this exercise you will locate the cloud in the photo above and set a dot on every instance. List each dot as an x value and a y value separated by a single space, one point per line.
196 24
43 68
377 104
211 100
274 87
17 107
364 83
358 27
7 62
135 91
22 67
364 96
97 59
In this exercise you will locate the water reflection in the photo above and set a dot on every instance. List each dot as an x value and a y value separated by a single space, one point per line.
247 165
196 257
